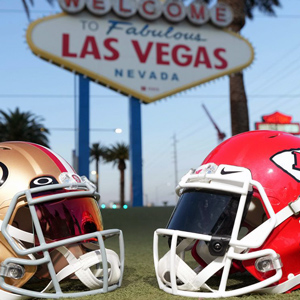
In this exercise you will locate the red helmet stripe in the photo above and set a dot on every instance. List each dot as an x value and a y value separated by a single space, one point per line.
62 164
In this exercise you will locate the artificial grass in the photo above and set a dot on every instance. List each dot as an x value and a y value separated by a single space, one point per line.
139 282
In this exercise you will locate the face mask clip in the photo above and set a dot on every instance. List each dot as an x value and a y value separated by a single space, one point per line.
12 270
218 245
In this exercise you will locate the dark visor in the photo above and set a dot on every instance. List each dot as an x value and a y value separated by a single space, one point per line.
69 217
205 212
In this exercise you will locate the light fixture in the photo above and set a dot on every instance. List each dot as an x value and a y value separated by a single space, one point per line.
118 130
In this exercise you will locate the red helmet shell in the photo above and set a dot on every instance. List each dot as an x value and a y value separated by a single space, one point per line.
256 151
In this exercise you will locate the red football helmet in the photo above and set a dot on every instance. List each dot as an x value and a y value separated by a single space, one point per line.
237 213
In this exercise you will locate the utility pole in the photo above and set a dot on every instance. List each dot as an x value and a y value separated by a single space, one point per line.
175 163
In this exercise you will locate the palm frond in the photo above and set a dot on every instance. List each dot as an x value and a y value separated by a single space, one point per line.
97 151
31 2
22 126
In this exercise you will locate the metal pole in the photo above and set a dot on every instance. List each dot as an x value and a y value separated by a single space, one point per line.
175 165
83 126
136 151
175 160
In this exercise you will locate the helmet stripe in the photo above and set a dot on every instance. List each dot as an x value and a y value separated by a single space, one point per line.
62 164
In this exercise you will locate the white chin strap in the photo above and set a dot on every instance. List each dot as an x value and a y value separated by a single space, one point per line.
87 268
187 279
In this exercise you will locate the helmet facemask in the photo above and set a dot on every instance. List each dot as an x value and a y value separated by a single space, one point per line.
57 232
222 214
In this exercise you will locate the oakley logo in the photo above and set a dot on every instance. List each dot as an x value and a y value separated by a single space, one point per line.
42 181
223 172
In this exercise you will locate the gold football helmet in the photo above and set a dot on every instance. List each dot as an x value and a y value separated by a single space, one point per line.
51 228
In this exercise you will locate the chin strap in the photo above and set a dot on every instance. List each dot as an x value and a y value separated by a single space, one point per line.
293 208
19 234
188 278
87 269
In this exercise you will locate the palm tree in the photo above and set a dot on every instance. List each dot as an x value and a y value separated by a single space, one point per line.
118 154
31 2
22 126
96 152
238 99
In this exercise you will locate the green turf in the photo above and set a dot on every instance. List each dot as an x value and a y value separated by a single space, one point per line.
138 225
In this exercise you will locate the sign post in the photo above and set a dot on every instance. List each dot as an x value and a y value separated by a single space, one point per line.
83 129
136 151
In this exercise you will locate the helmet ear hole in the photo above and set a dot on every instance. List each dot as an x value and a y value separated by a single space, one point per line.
256 214
167 276
22 219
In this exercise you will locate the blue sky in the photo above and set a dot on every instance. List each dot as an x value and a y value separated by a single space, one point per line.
272 84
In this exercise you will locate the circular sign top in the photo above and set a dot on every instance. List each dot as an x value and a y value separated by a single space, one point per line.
150 9
124 8
174 10
72 7
197 12
99 8
221 15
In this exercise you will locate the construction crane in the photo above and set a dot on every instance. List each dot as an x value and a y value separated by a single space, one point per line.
221 135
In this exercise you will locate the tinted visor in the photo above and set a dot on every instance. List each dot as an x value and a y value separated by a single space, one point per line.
69 217
205 212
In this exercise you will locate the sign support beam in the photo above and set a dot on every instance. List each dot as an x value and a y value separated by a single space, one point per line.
135 152
83 129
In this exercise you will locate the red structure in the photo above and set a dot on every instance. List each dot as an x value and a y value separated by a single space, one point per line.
278 121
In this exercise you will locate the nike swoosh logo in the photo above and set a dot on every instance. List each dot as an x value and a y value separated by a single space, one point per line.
223 172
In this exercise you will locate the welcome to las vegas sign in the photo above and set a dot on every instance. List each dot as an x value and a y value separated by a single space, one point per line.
149 60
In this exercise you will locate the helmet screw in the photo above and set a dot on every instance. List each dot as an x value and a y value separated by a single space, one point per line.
217 247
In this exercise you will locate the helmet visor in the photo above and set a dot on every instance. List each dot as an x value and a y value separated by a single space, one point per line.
69 217
205 212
